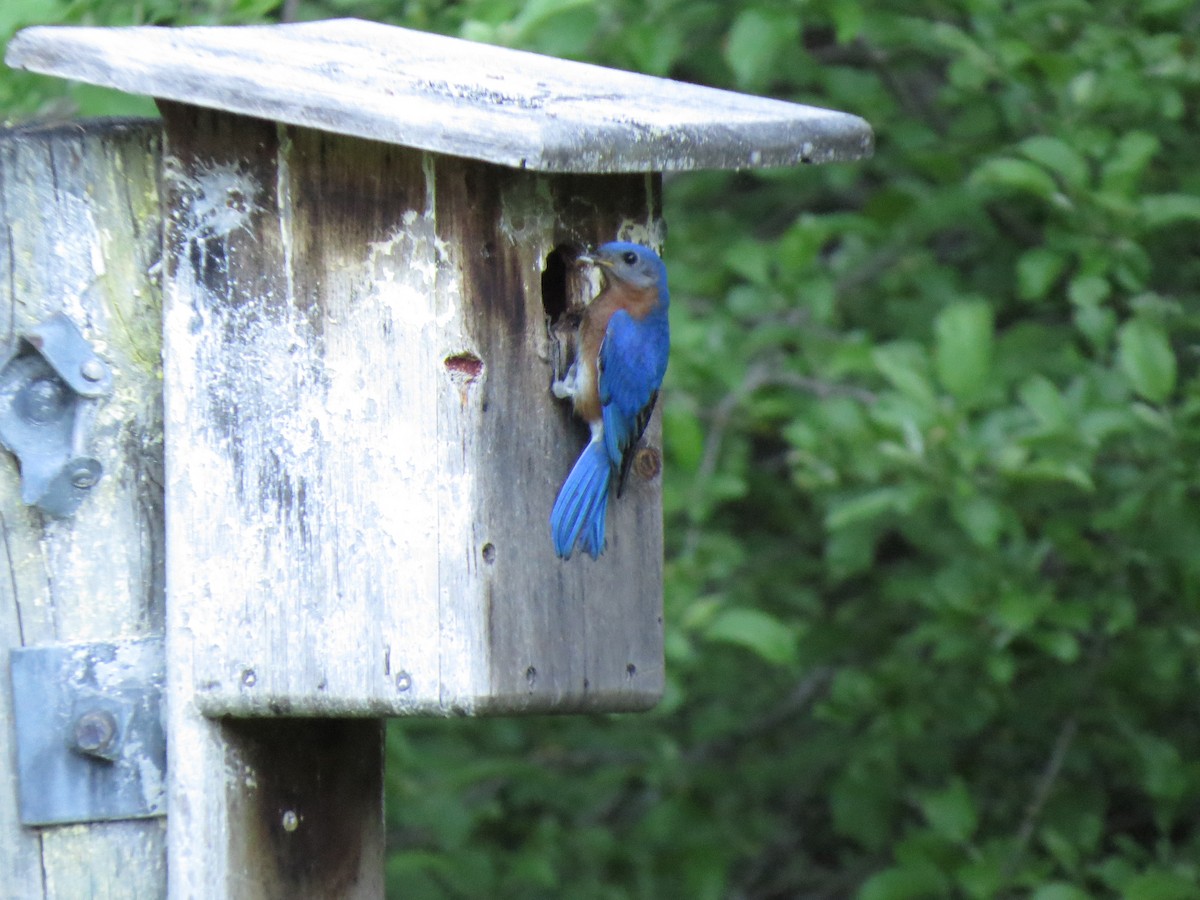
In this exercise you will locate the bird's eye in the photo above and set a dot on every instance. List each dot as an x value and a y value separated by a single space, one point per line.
630 257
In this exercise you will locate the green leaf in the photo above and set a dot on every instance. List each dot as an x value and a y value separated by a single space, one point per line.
905 367
1059 157
861 805
92 100
755 42
848 19
1001 667
906 882
15 13
755 630
683 436
951 812
1055 470
1017 610
1147 359
536 13
750 259
1097 426
1164 774
565 27
653 48
870 505
980 517
1059 890
1062 645
1096 323
963 347
848 552
1088 290
1037 270
1127 162
1161 884
1015 176
1042 398
1159 210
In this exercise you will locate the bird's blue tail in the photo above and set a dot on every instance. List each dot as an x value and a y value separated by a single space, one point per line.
582 504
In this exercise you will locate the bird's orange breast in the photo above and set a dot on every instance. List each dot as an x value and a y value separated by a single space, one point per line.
638 303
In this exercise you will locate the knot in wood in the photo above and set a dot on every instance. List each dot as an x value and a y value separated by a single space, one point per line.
647 463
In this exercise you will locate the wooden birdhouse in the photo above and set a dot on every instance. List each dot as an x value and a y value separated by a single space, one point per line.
367 238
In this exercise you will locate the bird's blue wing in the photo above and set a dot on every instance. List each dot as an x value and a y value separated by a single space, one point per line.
633 360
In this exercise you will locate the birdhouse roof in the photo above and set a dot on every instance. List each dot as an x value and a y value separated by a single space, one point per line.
447 95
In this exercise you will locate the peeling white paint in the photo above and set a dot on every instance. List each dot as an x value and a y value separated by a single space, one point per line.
220 198
287 213
527 215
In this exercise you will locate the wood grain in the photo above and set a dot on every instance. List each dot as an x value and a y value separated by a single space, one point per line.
80 233
447 96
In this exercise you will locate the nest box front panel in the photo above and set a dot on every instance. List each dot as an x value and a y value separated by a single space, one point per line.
362 446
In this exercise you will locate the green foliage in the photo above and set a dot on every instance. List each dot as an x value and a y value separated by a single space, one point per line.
933 498
972 360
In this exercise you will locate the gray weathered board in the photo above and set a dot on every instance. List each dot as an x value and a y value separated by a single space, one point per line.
362 445
447 95
81 233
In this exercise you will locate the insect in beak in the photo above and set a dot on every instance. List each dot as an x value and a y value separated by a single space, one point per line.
587 259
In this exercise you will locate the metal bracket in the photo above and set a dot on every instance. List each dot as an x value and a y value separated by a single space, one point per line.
90 740
49 392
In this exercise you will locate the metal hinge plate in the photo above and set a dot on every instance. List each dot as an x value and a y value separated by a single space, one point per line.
50 389
90 739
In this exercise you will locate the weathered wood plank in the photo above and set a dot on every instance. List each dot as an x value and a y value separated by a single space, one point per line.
253 538
448 96
80 233
561 636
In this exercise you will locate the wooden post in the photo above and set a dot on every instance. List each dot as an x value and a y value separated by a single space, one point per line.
79 221
364 241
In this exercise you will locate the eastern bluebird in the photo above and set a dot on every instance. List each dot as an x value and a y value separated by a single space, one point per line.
620 359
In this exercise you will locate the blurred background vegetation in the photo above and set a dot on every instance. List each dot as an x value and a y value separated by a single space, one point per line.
933 471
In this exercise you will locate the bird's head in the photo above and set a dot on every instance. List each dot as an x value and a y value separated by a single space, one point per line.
632 264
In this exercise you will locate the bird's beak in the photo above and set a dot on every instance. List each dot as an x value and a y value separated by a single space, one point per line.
587 259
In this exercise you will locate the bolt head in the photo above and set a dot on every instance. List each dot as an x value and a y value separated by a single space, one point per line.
44 400
95 732
92 370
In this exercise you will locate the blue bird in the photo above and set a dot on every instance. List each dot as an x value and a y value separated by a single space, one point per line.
620 360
